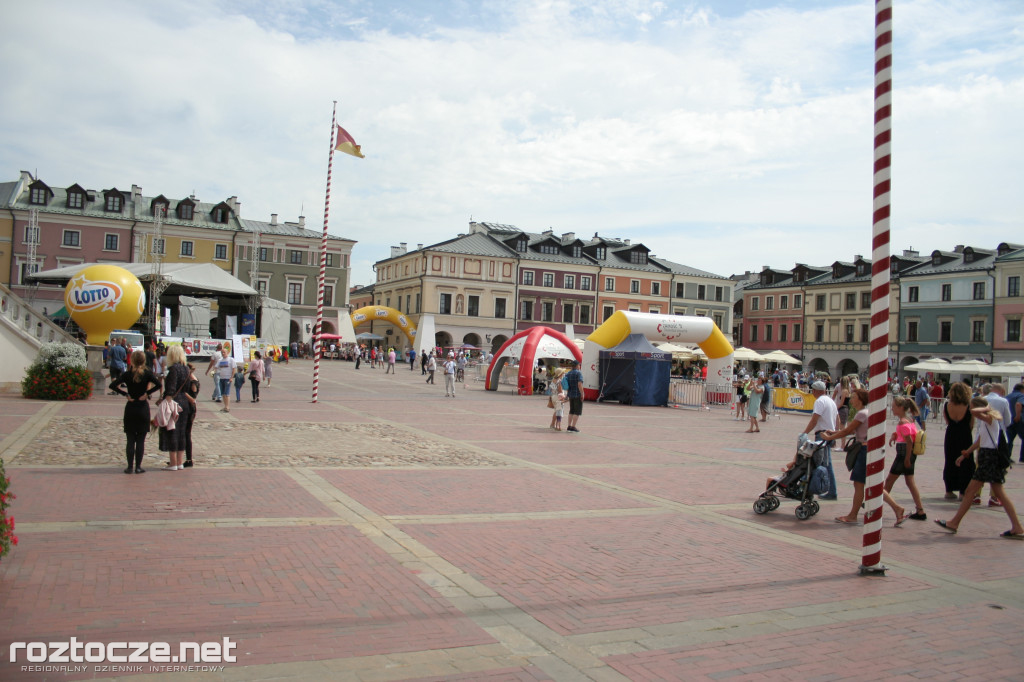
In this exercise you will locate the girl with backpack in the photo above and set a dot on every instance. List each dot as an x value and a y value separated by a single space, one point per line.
904 409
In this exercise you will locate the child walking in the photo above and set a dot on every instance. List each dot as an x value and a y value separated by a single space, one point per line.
239 382
904 409
557 403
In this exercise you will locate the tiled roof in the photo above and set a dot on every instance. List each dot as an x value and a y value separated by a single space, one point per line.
285 229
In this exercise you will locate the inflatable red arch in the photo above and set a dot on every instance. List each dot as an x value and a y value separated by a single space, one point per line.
528 346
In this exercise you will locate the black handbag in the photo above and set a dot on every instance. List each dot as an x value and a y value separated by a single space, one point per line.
1003 452
852 450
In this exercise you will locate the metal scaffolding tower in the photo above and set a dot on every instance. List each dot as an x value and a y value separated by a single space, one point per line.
254 302
156 254
32 263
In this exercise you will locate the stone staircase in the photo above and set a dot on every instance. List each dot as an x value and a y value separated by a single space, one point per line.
23 330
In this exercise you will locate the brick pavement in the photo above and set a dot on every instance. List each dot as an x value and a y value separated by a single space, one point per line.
388 533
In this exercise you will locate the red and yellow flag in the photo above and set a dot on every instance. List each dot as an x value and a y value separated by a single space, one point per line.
346 144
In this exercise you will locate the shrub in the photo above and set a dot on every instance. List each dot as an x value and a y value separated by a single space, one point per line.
7 537
59 373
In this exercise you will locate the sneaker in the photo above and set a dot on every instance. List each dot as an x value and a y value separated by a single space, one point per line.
977 500
573 429
992 502
170 468
919 516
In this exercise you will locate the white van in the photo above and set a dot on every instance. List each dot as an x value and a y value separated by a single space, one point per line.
135 339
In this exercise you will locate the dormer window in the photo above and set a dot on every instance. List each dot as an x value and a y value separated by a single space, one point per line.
798 276
113 202
968 256
601 253
160 204
862 269
638 258
577 251
76 197
837 272
936 260
220 213
521 244
549 249
185 209
37 196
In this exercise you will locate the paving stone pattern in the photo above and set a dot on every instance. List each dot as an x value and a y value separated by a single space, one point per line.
390 533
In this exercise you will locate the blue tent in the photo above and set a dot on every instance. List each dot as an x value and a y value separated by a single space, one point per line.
635 373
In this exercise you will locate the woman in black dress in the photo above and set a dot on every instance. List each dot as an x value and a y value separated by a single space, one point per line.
192 390
175 384
959 437
137 384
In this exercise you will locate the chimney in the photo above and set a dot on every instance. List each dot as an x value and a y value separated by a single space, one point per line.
302 221
959 248
568 236
273 219
626 242
136 193
419 247
405 246
398 250
548 232
910 253
857 258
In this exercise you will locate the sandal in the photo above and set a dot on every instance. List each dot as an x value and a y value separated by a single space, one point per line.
843 519
951 529
1010 534
900 519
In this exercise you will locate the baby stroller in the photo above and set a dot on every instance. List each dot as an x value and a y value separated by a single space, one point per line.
796 483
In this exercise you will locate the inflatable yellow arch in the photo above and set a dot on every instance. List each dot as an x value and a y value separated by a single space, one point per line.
380 312
657 327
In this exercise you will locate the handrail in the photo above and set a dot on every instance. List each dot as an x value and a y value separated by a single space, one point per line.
27 322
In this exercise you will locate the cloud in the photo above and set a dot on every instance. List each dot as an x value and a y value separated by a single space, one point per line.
741 135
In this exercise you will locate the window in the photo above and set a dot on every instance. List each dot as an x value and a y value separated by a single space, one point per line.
979 291
753 333
499 308
549 279
719 293
585 315
608 312
819 302
328 294
680 290
945 331
798 301
634 286
819 333
521 244
755 303
782 333
528 277
72 238
978 331
75 199
865 333
549 249
331 259
185 211
913 294
186 248
849 333
768 333
865 300
769 304
220 252
783 304
601 253
701 292
851 301
585 282
609 284
570 282
1013 286
219 215
1013 330
261 286
472 306
38 196
577 251
159 246
655 288
527 313
912 331
796 332
547 311
567 312
264 254
26 270
947 292
637 257
113 203
295 257
445 307
110 242
295 293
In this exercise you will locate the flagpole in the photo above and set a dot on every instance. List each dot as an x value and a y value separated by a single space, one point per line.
317 345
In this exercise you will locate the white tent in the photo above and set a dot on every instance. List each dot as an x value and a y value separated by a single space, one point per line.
193 279
275 321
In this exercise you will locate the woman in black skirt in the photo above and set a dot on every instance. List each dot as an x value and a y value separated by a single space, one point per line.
137 384
175 384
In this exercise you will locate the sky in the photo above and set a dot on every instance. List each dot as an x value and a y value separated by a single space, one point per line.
724 135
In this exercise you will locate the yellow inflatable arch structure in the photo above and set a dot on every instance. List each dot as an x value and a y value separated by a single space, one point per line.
380 312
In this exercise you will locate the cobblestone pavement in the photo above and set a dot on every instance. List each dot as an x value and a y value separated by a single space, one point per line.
389 533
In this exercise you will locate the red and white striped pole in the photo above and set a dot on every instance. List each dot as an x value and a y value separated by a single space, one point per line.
317 345
878 359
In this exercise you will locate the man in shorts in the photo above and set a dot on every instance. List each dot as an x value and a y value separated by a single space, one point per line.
823 419
575 396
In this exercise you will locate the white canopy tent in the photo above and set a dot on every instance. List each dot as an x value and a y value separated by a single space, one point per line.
193 279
